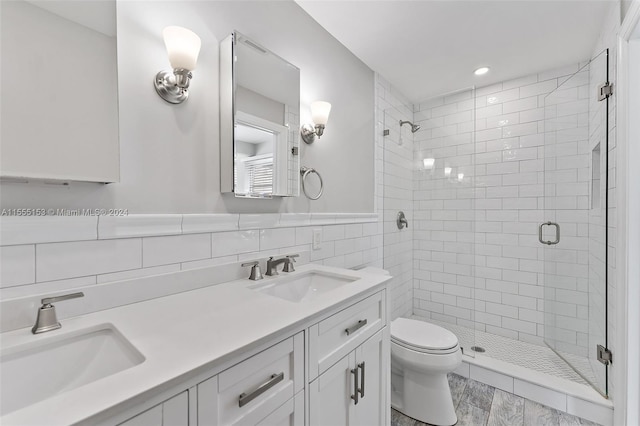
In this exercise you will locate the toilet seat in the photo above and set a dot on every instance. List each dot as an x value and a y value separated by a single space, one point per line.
423 337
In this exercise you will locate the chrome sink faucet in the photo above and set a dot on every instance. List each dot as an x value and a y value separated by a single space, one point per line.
272 264
47 320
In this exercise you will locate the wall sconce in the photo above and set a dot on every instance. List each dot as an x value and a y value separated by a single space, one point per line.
183 47
319 115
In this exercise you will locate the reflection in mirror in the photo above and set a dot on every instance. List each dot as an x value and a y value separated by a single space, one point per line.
260 106
59 98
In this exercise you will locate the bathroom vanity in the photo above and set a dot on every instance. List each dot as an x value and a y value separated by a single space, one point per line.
306 347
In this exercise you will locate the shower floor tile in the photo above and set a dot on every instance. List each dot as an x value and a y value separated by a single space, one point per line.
523 354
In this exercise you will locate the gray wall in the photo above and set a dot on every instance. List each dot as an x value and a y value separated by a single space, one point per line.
170 154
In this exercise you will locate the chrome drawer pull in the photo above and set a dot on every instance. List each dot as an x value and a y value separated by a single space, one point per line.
355 386
361 366
356 327
244 399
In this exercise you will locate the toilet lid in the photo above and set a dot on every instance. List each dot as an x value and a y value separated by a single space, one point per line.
422 335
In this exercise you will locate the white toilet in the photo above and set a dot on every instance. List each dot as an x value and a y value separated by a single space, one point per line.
421 356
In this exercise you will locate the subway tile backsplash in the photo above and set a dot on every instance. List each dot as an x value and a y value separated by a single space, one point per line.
115 249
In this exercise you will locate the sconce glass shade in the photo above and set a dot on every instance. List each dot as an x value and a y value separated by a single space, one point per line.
428 163
320 112
183 47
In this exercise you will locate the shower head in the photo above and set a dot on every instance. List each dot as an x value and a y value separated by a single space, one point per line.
414 127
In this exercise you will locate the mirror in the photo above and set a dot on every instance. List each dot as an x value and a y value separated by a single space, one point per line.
59 83
259 121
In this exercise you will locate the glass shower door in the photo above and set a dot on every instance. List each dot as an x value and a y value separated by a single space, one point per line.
574 234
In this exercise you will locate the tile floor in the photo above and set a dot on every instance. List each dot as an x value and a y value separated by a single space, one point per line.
478 404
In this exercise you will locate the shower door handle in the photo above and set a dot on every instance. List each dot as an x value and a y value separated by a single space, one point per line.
556 241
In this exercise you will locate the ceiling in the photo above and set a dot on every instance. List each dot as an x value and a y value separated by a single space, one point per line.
426 47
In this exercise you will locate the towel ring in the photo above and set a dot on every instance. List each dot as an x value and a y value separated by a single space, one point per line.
306 171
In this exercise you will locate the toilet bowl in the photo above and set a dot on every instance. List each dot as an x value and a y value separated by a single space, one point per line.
421 356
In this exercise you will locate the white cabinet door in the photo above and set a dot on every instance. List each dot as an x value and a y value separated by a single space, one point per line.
330 401
172 412
332 395
372 372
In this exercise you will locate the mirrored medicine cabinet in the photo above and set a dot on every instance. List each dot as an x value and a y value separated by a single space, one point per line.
59 82
259 121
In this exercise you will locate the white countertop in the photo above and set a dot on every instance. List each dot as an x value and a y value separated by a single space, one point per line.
180 335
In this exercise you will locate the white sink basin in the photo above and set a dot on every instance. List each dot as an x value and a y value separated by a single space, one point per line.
33 372
304 287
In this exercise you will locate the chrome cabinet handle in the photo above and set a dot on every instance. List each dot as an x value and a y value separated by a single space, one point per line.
361 367
556 241
244 399
355 327
355 386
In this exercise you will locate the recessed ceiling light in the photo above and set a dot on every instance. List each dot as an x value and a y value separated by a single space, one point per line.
481 71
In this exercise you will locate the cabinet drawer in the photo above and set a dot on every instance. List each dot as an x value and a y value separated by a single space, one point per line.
247 392
334 337
291 413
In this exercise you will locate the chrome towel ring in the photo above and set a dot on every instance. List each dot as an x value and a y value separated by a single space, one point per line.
306 171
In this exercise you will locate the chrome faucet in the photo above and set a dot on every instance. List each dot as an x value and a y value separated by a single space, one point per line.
47 320
401 220
272 264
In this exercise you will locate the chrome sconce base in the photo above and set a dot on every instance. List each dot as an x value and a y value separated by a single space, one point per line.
173 86
308 132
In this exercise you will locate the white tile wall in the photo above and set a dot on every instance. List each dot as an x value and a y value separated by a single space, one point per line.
138 225
18 265
395 182
113 249
57 261
175 249
235 242
476 237
47 229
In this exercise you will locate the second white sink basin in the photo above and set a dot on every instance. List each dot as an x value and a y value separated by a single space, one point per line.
303 287
51 365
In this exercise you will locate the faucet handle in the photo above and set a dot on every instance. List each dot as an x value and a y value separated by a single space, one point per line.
288 265
256 273
50 300
47 319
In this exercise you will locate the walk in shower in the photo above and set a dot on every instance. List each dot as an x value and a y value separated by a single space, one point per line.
505 190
